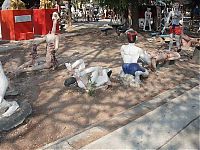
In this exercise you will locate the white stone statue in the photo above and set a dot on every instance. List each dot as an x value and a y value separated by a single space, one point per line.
161 57
52 41
13 4
130 55
84 77
6 108
5 5
147 19
175 28
199 28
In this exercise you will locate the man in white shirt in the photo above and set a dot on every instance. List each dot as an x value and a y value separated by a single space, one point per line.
130 55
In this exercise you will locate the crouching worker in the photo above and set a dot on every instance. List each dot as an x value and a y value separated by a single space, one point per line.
162 57
130 55
87 78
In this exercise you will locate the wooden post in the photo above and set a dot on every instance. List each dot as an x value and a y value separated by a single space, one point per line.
135 15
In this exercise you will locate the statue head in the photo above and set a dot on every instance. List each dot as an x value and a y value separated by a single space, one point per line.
148 9
131 35
176 5
55 16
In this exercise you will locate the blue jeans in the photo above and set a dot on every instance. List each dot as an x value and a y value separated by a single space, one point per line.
131 68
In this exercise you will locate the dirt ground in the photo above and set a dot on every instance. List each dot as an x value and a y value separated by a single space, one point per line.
59 111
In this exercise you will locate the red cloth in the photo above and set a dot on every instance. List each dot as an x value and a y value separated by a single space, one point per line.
176 30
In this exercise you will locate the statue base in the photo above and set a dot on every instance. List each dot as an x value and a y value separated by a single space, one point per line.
24 110
128 80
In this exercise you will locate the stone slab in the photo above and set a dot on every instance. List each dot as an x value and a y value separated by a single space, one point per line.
17 118
123 118
156 128
187 138
63 146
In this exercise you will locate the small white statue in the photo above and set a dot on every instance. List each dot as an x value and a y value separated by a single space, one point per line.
6 108
52 41
84 77
147 19
130 55
175 28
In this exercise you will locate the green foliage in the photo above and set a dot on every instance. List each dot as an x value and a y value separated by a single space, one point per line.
90 87
114 3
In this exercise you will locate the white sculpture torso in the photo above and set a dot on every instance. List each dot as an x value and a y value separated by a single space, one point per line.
131 53
147 19
176 17
148 15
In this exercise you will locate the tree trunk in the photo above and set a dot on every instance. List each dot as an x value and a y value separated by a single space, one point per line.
69 14
135 15
130 23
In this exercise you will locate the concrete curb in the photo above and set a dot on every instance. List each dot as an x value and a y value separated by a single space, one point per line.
98 130
158 128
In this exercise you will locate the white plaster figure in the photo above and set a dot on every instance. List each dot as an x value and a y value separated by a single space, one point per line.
130 55
163 56
98 76
175 28
199 28
6 108
147 19
5 5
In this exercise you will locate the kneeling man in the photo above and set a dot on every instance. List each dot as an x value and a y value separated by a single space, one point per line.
130 55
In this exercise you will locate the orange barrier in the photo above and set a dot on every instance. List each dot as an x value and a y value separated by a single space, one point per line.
16 24
42 21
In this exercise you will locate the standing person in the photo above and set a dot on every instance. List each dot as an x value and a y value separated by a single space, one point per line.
130 55
147 19
175 28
